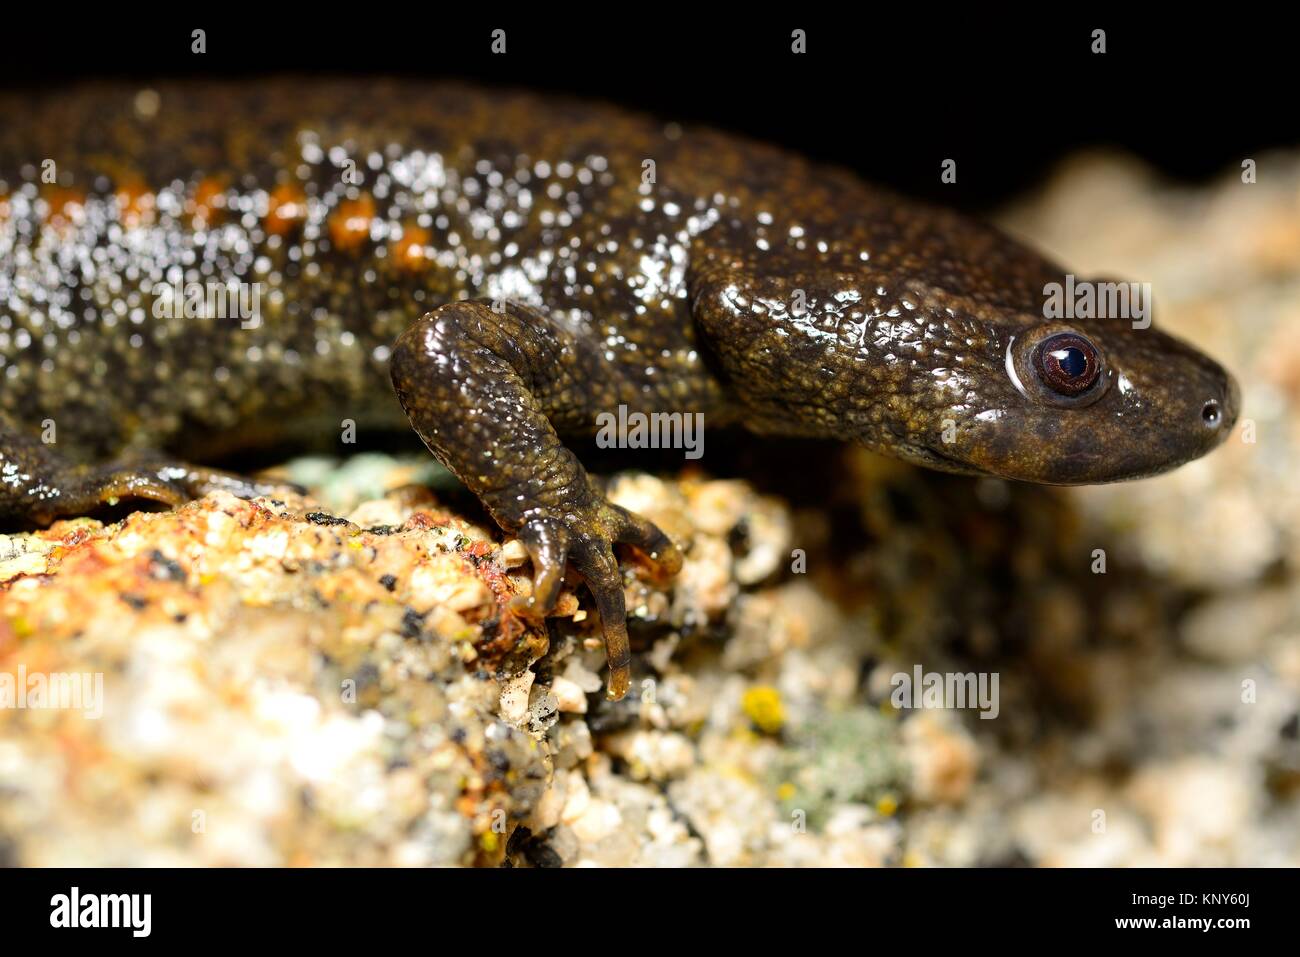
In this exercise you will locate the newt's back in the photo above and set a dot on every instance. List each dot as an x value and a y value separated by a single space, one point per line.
184 263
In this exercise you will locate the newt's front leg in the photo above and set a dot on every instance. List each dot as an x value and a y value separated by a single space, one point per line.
487 391
38 485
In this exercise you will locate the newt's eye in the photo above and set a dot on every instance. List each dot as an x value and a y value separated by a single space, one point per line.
1068 364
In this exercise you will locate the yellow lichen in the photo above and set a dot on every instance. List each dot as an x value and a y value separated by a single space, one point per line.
763 706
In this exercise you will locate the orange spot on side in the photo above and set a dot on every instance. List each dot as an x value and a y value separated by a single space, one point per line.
350 223
411 252
286 209
135 204
66 205
208 201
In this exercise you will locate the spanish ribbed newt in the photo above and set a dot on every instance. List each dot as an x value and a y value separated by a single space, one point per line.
498 269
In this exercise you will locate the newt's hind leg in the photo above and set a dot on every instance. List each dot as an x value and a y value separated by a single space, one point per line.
486 391
38 485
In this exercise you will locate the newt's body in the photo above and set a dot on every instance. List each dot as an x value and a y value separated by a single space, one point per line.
566 259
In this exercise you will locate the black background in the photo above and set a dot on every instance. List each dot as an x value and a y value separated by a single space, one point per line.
1006 93
907 910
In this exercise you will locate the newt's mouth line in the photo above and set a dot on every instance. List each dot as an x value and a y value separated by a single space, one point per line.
939 460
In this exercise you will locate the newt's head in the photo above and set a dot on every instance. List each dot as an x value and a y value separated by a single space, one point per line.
1070 402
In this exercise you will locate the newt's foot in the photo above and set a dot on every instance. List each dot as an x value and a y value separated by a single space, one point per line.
587 545
79 490
481 381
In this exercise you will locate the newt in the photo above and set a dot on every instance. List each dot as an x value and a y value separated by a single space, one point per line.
495 270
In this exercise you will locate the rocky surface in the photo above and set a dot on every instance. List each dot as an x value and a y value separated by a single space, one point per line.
336 680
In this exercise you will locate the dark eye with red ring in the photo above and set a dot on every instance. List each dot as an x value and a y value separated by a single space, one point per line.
1068 364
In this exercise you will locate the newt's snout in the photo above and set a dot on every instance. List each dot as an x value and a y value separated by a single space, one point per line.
1089 403
1196 414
